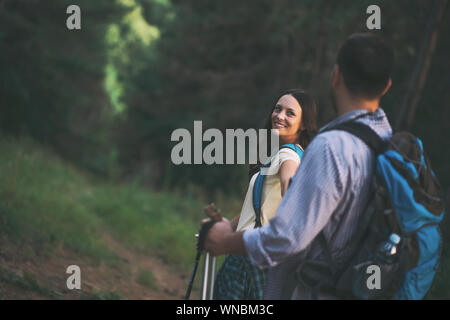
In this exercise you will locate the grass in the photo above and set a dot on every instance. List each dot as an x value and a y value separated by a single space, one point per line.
26 282
45 201
104 295
147 279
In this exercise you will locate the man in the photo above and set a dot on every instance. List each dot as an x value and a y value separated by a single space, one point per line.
330 190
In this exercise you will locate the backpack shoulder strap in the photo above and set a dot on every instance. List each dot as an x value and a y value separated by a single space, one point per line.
363 132
259 182
295 148
377 145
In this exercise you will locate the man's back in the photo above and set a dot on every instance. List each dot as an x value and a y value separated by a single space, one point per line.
328 193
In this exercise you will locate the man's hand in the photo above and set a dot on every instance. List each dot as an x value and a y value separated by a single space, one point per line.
221 238
216 239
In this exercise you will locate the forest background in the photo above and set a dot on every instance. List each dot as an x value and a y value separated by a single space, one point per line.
86 118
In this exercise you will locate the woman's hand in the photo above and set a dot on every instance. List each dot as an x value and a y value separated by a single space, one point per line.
212 212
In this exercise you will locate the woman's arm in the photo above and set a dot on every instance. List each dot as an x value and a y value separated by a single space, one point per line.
287 170
235 222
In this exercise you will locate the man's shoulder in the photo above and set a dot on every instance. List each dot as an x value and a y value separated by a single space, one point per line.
340 149
338 141
341 140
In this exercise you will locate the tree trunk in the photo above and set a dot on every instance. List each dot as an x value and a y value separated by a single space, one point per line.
417 81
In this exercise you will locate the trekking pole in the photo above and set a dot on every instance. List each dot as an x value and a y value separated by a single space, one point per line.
194 271
210 262
208 277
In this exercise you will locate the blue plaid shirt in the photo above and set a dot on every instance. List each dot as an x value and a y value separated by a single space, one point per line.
328 193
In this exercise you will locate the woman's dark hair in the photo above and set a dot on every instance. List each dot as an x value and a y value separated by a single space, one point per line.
309 121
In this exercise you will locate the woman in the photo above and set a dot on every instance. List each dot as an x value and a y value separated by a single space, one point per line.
294 120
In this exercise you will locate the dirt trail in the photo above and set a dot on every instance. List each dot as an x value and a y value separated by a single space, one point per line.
171 285
42 275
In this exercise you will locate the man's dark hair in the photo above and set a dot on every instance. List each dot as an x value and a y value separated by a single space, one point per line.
366 63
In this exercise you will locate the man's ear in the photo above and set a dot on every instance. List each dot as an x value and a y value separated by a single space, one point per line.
387 87
335 76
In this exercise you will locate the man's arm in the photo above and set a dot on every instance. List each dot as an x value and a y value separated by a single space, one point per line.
316 190
306 208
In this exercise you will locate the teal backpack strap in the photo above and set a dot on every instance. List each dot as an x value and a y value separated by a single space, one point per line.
259 182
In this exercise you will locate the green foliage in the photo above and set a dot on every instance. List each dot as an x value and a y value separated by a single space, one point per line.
147 279
39 201
26 282
103 295
225 63
108 97
44 201
51 78
147 221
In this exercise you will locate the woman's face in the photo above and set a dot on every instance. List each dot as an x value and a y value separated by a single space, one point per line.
287 118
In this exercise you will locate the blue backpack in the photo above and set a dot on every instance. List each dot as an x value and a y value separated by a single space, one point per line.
259 182
406 200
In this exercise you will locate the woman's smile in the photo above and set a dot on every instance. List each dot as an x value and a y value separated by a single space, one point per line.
278 125
287 118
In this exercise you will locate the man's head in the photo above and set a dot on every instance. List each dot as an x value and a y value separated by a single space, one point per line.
363 69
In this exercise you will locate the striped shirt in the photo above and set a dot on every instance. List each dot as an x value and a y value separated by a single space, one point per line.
328 193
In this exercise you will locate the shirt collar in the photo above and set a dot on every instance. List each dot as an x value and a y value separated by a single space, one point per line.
347 117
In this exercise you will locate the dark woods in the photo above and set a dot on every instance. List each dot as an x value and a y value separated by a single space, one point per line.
108 96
